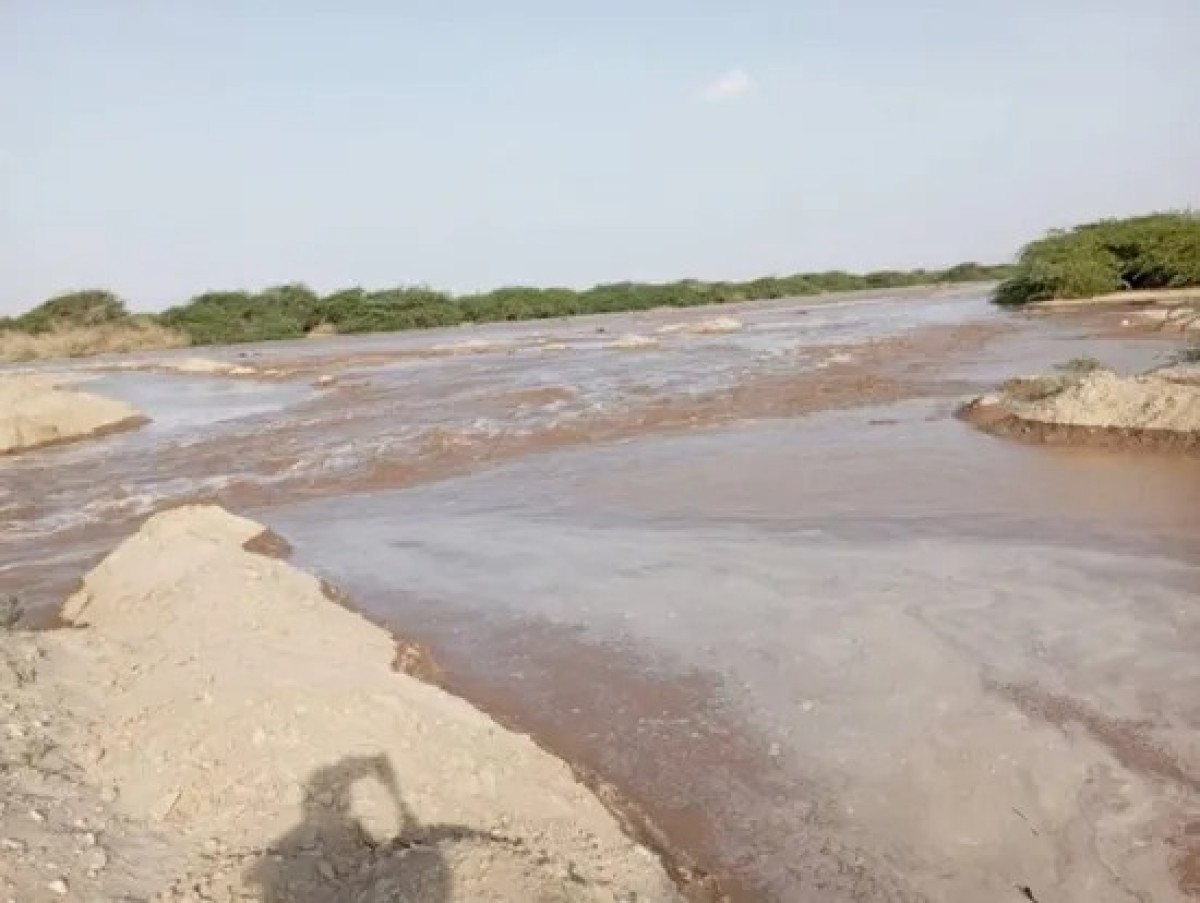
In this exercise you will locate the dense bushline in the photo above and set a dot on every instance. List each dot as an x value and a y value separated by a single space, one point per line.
87 308
292 311
80 324
1159 251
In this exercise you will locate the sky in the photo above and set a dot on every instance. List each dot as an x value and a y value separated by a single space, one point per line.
160 148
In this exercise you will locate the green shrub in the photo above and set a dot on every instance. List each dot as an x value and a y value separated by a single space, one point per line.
92 307
1147 252
293 311
282 312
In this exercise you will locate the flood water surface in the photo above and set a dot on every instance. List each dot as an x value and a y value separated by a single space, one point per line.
834 643
865 621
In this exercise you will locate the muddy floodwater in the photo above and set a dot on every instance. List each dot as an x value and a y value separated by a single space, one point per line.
833 643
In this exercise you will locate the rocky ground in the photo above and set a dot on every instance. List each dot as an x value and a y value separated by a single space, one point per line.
212 726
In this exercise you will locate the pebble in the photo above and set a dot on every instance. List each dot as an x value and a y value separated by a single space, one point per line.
36 816
59 886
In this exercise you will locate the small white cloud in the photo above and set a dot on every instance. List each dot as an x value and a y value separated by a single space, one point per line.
734 84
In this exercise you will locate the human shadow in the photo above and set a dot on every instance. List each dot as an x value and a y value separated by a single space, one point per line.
331 857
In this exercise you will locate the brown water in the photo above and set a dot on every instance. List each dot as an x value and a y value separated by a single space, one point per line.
863 653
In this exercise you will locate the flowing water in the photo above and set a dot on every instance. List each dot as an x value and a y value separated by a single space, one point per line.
834 642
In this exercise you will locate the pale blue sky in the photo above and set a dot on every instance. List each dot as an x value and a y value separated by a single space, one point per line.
164 147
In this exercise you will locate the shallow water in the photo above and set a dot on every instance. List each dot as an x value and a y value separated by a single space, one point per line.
846 594
862 654
181 403
398 401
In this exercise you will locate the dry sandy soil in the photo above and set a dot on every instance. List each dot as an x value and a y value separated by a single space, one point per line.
37 410
210 725
1169 297
1159 409
83 341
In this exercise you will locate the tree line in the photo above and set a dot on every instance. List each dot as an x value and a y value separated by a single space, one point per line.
293 311
1158 251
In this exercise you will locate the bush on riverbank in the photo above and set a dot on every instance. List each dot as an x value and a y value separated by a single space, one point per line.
1160 251
79 324
293 311
92 307
83 341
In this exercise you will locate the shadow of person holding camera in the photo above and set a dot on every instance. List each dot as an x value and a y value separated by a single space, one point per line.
330 856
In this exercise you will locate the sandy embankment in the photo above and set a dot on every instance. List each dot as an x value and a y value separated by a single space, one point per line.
38 410
84 341
1168 297
1182 319
248 738
1159 409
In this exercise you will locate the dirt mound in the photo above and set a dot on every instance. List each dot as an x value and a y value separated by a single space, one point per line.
236 706
1104 399
1158 409
36 411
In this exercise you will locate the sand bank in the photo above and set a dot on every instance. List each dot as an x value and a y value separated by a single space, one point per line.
38 410
259 734
1159 409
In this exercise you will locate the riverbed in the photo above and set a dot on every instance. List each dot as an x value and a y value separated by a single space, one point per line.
836 644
